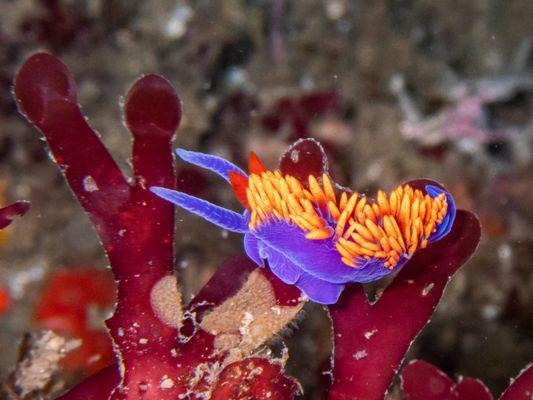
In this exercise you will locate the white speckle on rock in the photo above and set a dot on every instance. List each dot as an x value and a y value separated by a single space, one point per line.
247 319
427 289
89 185
360 354
374 171
19 281
143 387
303 298
490 312
236 77
371 333
276 310
94 358
295 156
141 181
143 341
505 252
176 25
122 232
166 382
120 332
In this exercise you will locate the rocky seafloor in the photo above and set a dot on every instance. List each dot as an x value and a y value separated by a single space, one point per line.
394 90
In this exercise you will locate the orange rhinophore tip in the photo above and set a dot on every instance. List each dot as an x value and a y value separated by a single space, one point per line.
239 184
255 166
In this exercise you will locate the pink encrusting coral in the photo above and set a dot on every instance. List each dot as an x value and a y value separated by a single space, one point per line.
212 348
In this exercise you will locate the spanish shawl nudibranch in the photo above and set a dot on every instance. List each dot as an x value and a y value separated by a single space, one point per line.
314 236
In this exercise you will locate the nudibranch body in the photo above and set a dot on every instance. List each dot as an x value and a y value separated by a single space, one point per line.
315 236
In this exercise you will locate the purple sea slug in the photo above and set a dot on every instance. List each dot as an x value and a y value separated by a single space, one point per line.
315 236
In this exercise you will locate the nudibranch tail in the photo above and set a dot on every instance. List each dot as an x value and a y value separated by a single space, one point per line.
219 216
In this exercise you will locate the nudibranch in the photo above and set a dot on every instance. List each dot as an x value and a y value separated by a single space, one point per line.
315 236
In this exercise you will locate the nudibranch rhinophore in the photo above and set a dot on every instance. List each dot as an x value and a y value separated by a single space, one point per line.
313 235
